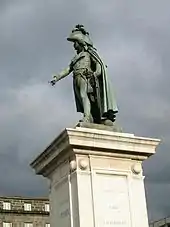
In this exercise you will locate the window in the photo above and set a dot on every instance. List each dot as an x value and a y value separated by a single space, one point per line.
6 206
47 225
7 224
28 225
27 206
47 207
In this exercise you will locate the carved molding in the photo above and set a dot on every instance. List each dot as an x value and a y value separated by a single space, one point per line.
136 168
73 165
83 164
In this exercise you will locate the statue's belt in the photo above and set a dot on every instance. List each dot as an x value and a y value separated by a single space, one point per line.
88 76
83 72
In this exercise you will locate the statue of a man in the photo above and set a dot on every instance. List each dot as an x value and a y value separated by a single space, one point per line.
91 87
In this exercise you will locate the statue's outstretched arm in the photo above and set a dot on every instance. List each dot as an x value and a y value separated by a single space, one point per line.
56 77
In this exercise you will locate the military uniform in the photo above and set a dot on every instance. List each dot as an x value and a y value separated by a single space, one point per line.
93 95
83 83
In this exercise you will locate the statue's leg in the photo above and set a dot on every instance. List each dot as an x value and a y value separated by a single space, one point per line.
85 100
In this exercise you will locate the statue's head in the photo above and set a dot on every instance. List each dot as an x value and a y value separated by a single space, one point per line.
78 46
81 36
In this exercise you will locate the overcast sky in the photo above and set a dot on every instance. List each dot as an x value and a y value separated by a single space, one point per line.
133 37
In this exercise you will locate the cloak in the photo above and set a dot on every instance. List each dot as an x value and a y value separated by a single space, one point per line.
107 98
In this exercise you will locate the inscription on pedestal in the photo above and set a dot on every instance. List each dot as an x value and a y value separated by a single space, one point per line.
112 201
62 206
64 209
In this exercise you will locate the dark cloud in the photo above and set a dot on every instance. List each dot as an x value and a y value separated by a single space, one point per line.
16 177
133 38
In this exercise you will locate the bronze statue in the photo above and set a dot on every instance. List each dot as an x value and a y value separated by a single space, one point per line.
93 95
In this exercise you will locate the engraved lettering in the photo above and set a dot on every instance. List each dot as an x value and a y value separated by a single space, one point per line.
114 222
113 201
65 213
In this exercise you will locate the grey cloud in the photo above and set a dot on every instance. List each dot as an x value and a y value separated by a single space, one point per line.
24 183
133 38
155 191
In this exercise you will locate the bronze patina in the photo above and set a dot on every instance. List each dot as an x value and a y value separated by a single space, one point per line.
93 95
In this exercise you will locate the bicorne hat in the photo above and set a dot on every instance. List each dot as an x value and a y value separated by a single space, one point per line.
80 35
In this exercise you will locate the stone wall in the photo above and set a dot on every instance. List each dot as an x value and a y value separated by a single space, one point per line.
18 216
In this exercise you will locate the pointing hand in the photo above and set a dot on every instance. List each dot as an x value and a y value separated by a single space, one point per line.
54 80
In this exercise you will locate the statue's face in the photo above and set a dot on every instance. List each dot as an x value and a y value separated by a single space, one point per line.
77 47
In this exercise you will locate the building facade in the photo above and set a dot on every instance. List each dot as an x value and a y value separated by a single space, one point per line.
24 212
165 222
34 212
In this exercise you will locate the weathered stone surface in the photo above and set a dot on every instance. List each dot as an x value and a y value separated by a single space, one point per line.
96 177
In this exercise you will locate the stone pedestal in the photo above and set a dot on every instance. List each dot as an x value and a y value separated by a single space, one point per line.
96 178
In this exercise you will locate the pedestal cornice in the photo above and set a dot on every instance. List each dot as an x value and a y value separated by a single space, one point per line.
91 142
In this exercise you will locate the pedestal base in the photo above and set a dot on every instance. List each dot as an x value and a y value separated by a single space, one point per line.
96 178
114 128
